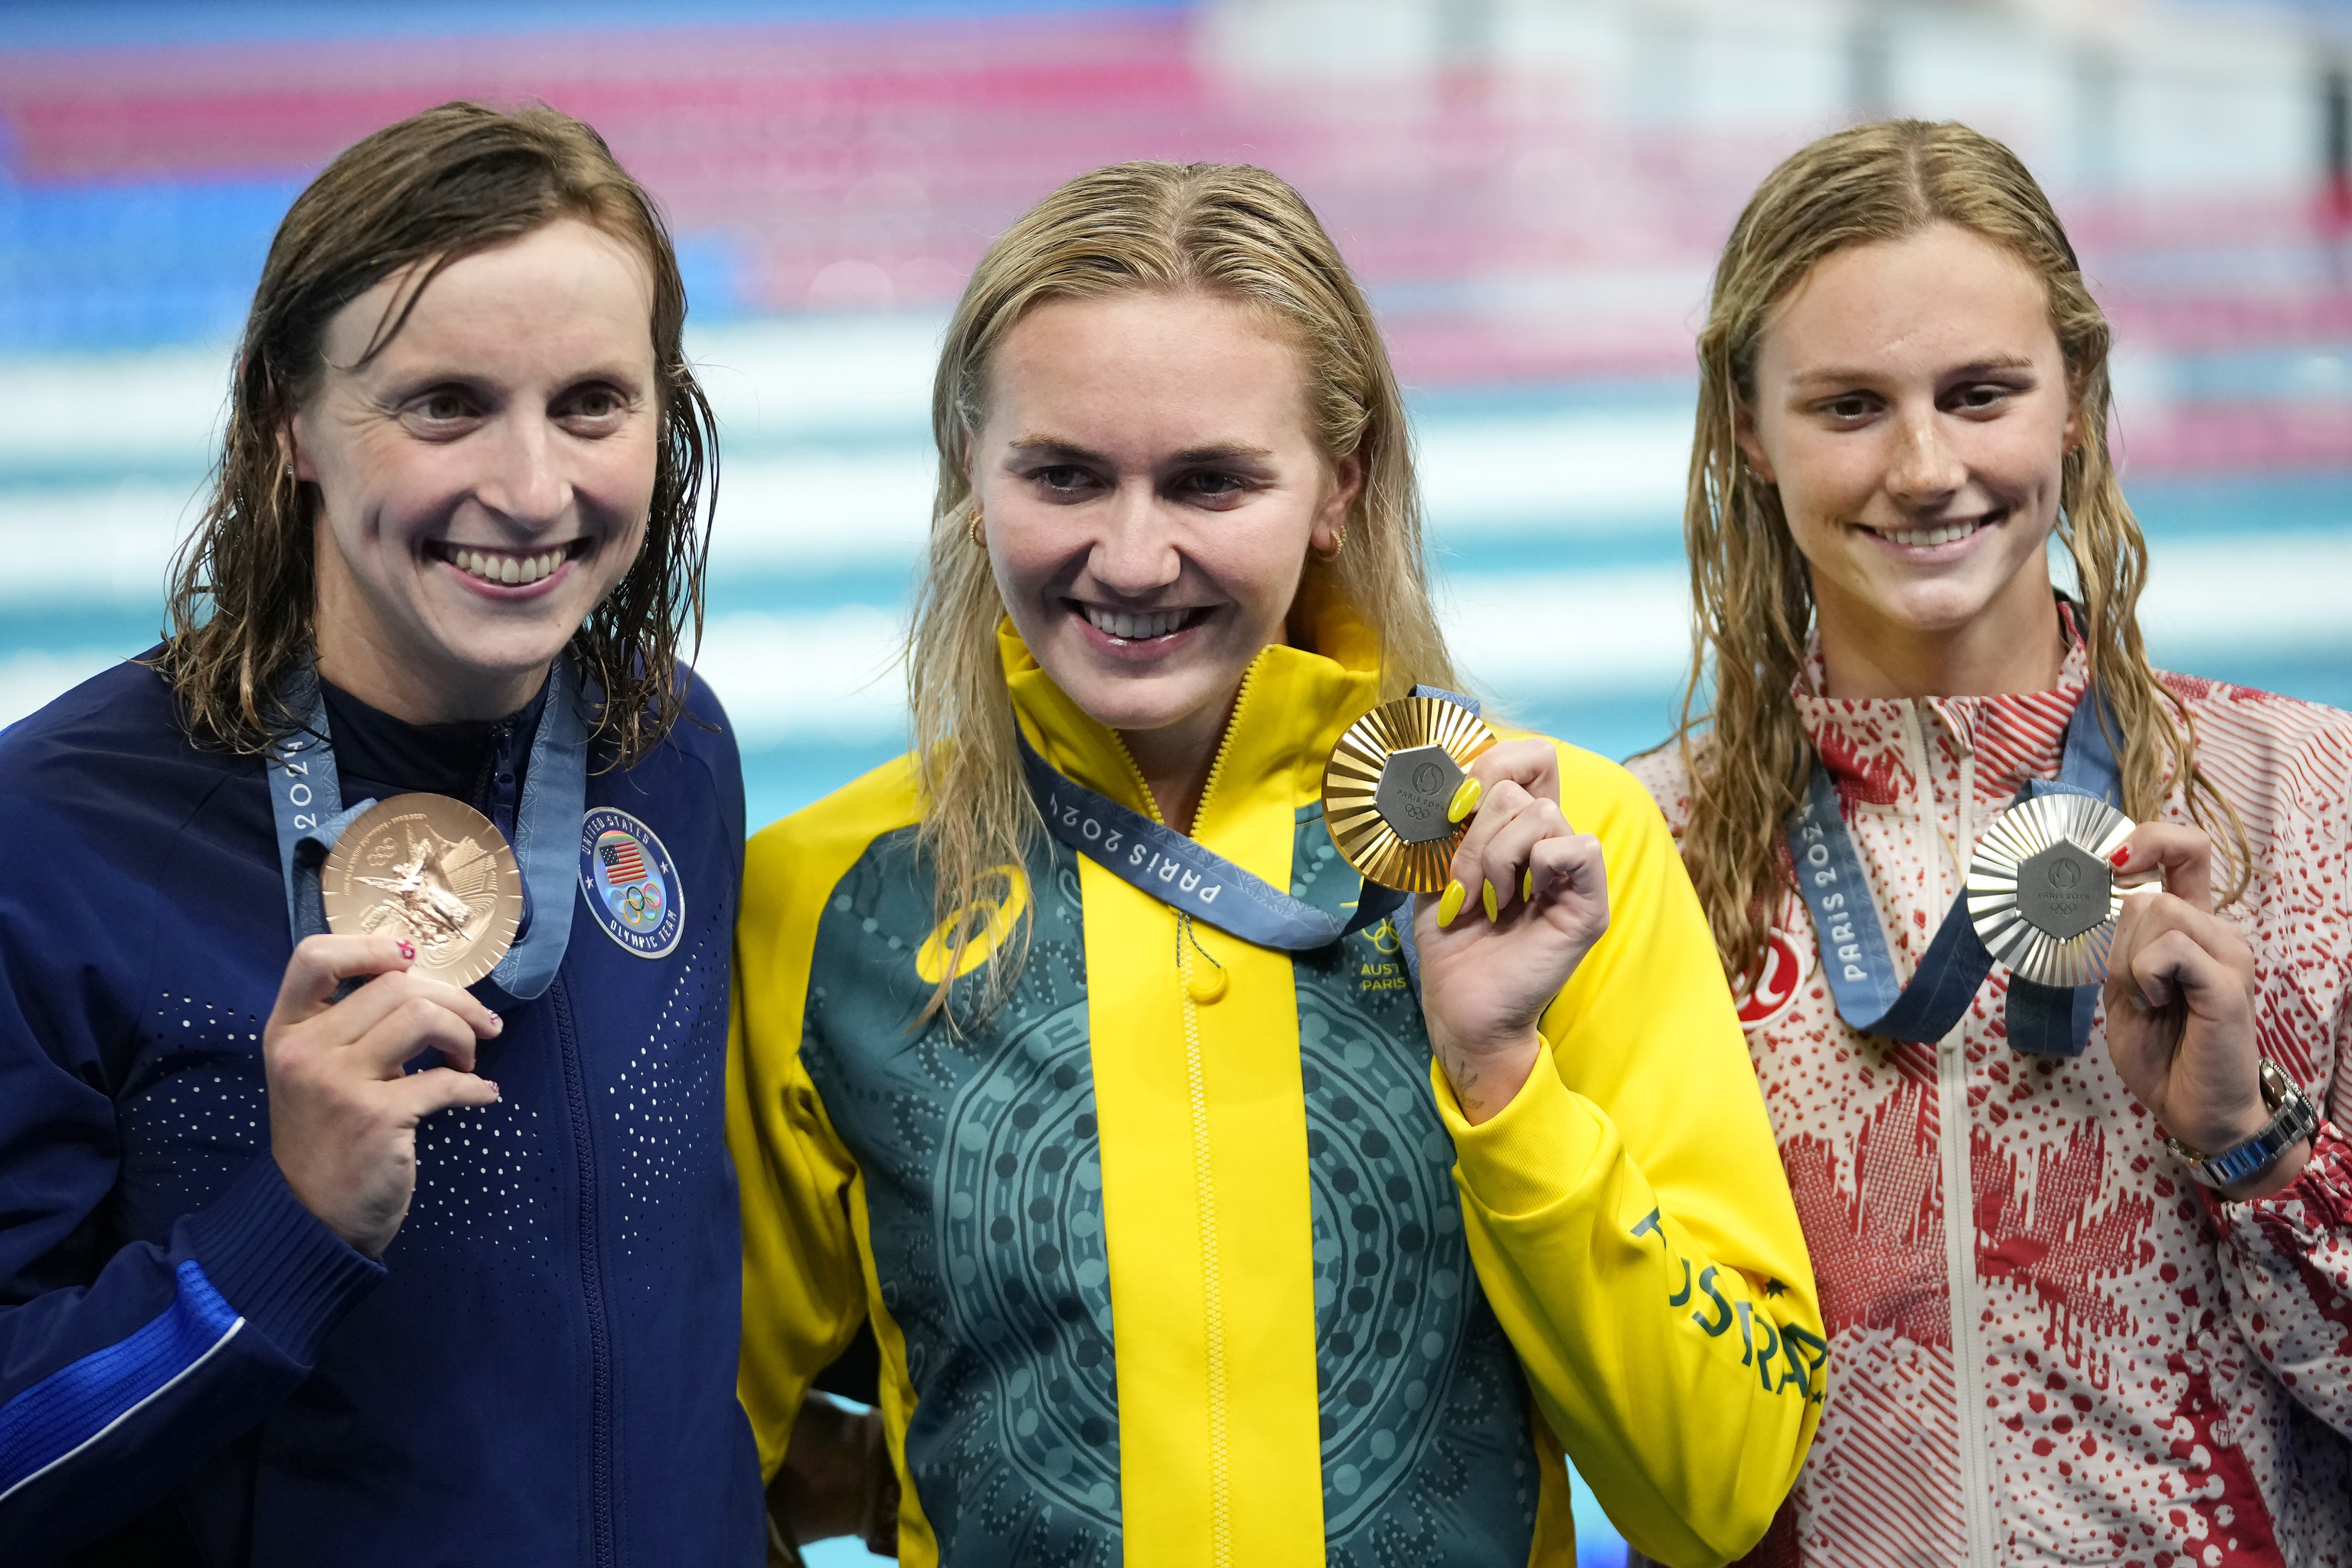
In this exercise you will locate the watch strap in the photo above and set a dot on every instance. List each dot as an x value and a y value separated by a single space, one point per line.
2293 1118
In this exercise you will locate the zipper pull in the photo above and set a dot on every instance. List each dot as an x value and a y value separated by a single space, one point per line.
1203 987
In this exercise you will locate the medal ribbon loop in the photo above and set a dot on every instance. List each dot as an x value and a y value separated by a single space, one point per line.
1189 879
306 797
2042 1020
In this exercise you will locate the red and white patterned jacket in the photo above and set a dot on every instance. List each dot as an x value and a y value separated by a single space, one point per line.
2094 1360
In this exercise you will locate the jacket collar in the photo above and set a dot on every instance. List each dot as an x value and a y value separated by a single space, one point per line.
1294 706
2011 738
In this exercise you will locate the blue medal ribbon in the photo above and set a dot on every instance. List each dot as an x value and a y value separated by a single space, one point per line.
306 797
1189 879
2041 1020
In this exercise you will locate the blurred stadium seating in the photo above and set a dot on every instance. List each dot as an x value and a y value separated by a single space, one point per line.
1532 189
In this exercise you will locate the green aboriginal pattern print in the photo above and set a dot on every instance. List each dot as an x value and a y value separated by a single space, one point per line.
1427 1453
984 1196
984 1187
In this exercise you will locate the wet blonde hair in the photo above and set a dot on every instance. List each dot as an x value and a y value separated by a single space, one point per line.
1750 589
1224 230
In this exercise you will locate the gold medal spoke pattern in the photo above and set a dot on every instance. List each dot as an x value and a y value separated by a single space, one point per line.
1351 780
433 871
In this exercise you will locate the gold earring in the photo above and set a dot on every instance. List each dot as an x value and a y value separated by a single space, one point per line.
978 537
1338 543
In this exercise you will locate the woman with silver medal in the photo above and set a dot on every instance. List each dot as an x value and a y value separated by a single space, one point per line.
1210 1202
419 1245
2051 1084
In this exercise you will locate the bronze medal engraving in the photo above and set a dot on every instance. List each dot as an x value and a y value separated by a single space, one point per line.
1389 783
433 871
2041 893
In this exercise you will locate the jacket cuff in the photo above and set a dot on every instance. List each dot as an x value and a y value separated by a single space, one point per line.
277 1263
2321 1190
1533 1153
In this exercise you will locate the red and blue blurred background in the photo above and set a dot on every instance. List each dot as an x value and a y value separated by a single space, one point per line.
1531 189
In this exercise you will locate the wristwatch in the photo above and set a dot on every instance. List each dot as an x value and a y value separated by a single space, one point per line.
2293 1119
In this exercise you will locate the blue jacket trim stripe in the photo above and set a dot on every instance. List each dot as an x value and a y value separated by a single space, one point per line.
76 1405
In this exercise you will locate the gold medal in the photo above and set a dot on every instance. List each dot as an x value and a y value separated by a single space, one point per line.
2041 890
1388 787
433 871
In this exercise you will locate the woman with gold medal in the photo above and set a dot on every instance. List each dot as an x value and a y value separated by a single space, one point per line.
1211 1205
418 1245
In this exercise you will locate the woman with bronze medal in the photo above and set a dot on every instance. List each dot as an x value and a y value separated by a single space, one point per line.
2042 952
420 1244
1076 1051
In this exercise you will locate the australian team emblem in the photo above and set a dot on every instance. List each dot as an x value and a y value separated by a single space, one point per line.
632 885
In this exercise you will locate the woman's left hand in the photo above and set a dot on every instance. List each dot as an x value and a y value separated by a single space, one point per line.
1528 899
2180 1005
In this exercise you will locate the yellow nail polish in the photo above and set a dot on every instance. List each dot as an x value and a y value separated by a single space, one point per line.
1528 886
1465 800
1486 896
1451 904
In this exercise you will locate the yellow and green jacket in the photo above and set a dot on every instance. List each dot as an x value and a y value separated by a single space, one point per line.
1158 1281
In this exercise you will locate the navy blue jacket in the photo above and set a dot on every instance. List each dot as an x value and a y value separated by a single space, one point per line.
540 1368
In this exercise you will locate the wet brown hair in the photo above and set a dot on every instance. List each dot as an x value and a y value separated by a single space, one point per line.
420 194
1751 592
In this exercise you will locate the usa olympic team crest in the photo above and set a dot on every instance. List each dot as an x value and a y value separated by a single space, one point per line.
632 885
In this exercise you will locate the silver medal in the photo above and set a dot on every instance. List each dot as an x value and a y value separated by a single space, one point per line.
2041 890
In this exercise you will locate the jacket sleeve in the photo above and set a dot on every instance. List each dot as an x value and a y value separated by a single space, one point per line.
2287 1260
123 1371
804 1287
1630 1223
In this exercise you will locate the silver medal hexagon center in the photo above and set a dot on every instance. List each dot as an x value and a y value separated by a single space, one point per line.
2062 891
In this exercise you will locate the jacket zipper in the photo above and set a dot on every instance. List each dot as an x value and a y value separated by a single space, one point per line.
1216 764
603 1548
1959 1185
1221 1500
502 802
1225 742
505 799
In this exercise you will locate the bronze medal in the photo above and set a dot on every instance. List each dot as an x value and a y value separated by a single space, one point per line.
2041 892
1389 783
433 871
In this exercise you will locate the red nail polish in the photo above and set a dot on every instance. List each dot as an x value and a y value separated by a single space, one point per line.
408 951
2120 855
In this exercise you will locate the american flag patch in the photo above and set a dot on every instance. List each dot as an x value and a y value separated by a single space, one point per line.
623 862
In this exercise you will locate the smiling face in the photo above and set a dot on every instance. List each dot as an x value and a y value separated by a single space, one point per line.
1151 482
485 479
1912 406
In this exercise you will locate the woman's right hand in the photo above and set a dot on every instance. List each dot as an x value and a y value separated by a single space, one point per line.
343 1116
1494 959
2181 1004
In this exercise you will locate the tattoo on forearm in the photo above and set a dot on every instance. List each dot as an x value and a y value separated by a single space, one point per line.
1465 1078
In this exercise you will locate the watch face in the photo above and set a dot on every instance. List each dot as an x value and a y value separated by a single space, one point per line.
2041 890
1389 784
